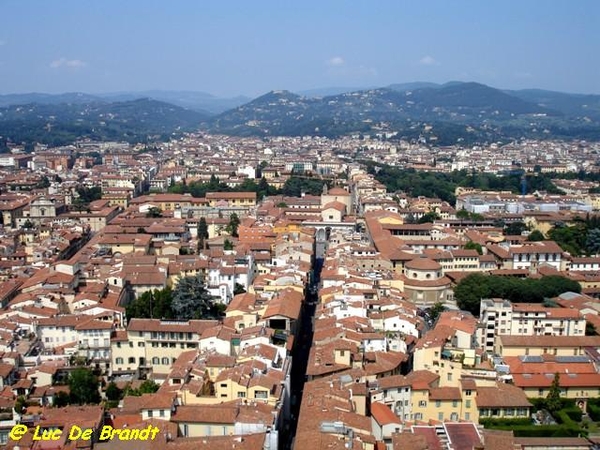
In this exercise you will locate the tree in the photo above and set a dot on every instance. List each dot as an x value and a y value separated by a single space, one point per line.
227 245
83 385
536 235
61 399
202 233
553 403
28 224
590 329
233 225
429 217
191 300
147 387
515 228
154 212
238 289
463 214
469 292
20 404
113 393
474 246
152 304
436 310
592 242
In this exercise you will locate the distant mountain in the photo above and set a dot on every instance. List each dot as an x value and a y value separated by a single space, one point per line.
59 124
582 105
463 112
50 99
455 111
402 87
195 100
326 92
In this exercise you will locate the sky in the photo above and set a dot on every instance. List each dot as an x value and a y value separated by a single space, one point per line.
249 47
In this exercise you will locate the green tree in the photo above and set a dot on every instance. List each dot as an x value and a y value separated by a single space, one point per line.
469 292
463 214
474 246
147 387
570 238
436 310
227 245
536 235
88 195
83 386
592 241
61 399
113 393
20 404
553 403
515 228
429 217
154 211
191 299
238 289
233 225
202 233
152 304
590 329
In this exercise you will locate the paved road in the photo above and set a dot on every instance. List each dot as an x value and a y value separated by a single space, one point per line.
300 355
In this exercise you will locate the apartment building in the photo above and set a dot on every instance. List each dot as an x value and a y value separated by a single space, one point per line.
154 344
501 317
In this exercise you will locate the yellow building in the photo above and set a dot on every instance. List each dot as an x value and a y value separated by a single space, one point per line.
247 199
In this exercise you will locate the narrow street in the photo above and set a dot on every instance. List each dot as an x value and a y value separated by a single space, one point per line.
300 355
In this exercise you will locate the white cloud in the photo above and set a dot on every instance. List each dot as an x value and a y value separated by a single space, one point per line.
428 61
336 61
68 63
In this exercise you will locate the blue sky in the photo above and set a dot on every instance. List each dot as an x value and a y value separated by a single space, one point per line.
249 47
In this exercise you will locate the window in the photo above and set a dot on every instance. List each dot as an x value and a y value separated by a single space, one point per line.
440 416
467 416
418 416
165 361
467 403
131 360
438 403
454 403
150 413
156 360
468 392
422 403
261 394
162 413
119 360
241 395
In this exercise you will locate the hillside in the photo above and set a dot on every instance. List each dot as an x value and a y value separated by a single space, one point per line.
458 112
59 124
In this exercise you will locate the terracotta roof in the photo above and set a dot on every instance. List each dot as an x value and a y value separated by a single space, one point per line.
423 264
383 414
503 395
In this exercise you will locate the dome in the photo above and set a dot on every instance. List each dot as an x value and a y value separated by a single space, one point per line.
422 263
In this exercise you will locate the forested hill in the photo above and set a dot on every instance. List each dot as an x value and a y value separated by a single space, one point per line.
447 114
63 123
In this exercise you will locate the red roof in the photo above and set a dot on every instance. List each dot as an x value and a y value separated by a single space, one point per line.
383 414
